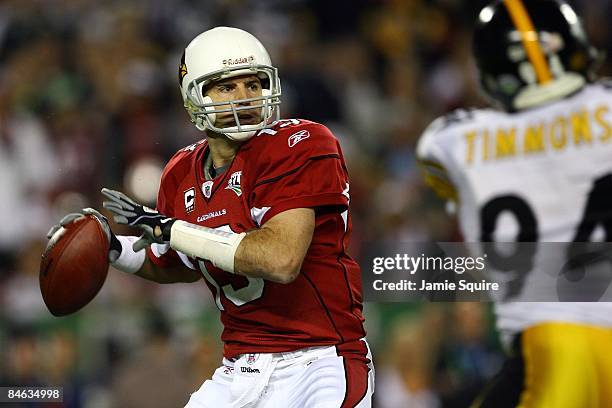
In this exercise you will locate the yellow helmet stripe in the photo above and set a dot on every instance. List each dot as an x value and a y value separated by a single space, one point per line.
530 39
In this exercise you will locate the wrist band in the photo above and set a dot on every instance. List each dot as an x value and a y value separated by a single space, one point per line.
219 247
129 261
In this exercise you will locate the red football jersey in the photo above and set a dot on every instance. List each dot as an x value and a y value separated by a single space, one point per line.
294 164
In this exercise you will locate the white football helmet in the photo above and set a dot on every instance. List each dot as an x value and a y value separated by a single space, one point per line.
220 53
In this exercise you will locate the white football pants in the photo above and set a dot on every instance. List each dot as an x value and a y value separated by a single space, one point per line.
315 377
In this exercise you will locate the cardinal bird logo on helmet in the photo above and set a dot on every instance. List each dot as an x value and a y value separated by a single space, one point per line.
182 69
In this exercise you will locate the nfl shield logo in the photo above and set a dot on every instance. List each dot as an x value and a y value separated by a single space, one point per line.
251 358
207 188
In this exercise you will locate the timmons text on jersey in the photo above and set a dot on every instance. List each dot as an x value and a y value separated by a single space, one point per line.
579 128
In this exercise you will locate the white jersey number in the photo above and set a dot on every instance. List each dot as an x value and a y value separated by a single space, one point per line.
252 291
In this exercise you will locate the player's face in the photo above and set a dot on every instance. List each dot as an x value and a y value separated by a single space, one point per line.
241 87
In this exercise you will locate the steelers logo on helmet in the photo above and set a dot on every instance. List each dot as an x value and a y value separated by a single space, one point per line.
531 52
223 53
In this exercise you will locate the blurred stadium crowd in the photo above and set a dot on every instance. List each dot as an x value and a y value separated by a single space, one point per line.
89 98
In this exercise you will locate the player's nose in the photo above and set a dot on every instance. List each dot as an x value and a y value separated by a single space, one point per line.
242 92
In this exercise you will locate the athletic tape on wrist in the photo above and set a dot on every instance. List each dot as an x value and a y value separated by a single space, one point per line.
129 261
219 247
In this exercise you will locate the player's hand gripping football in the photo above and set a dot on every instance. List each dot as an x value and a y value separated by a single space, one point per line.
115 245
155 226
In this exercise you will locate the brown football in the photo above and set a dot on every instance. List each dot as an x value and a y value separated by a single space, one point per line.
74 266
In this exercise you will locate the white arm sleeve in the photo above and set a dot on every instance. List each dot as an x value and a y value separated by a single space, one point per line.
129 261
219 247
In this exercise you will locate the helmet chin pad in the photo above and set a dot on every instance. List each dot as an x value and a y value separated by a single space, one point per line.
240 136
536 95
232 132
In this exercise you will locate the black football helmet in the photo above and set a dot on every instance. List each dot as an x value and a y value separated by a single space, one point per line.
530 52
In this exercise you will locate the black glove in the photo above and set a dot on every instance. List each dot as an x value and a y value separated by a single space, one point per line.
155 226
115 245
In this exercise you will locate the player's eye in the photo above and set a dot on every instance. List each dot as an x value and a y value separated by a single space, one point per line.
254 86
224 88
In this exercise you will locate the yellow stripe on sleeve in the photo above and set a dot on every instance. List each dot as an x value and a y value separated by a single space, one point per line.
436 177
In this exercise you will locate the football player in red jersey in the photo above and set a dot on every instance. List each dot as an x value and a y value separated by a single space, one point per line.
259 208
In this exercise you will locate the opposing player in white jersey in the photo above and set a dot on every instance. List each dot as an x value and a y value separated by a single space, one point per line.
539 169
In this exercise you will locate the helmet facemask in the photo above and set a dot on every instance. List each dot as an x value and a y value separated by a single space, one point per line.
203 110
